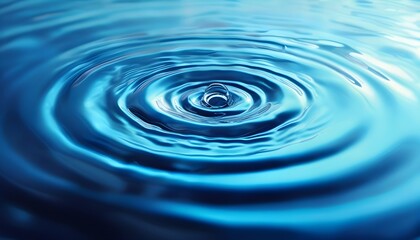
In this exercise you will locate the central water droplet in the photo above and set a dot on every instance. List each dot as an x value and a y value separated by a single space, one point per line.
216 95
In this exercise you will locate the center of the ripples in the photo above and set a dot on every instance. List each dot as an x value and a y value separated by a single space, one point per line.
216 95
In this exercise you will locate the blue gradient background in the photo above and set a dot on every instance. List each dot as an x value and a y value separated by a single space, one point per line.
103 135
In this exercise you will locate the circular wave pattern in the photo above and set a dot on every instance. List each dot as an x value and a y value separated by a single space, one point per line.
312 133
156 107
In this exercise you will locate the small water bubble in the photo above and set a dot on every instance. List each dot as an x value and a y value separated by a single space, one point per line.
216 95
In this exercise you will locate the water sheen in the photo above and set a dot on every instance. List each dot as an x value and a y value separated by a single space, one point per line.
111 127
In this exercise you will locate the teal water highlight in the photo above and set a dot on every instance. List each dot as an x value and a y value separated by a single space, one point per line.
209 119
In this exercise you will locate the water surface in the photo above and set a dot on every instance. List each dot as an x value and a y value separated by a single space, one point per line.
209 119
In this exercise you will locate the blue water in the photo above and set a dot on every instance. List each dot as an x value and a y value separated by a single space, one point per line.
210 119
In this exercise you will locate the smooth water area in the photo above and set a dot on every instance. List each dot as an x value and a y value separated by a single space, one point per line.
210 119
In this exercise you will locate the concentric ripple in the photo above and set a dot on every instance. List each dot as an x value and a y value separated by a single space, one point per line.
225 120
